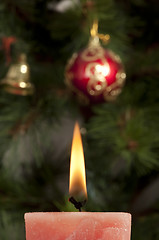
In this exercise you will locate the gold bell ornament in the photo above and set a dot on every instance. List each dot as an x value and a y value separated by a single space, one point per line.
17 80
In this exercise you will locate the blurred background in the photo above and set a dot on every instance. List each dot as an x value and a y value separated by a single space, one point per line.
37 111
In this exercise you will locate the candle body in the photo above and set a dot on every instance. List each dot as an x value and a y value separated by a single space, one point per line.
78 226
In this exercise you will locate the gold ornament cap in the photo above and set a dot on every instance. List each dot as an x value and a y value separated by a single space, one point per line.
105 38
17 80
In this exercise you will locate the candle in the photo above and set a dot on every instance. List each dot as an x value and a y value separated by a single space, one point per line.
78 225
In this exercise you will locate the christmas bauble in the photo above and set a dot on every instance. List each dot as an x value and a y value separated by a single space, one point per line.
95 74
17 79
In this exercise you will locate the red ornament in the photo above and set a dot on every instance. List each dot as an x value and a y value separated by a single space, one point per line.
6 45
95 73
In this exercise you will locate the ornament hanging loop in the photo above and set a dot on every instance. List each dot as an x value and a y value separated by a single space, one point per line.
94 33
94 29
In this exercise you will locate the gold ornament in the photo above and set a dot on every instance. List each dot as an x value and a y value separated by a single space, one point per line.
17 80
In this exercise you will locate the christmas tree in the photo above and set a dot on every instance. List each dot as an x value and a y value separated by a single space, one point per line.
38 112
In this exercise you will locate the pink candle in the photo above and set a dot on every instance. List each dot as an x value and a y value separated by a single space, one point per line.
75 225
78 226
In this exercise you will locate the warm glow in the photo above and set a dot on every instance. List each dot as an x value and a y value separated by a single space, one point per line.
77 185
23 69
22 84
102 69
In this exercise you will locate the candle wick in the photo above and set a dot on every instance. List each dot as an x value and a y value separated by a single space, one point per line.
78 205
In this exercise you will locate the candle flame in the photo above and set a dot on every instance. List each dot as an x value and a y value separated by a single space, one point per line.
77 185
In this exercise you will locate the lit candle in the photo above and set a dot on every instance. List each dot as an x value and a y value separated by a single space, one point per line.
78 225
77 186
